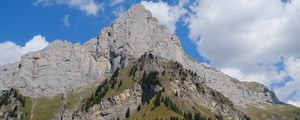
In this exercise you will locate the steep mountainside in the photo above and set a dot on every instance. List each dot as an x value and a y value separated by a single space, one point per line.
149 88
111 74
156 83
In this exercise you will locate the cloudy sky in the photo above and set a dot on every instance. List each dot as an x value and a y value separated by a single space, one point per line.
252 40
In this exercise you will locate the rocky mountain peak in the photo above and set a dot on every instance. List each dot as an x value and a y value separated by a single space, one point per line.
134 66
63 66
133 34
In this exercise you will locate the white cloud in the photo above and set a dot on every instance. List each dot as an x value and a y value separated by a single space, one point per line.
116 2
246 34
43 2
11 52
166 14
236 73
296 103
246 38
290 90
266 77
118 11
66 20
90 7
292 66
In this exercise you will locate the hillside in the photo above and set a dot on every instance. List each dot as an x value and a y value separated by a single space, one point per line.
150 88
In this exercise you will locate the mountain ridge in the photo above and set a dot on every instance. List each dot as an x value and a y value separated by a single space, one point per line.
62 66
130 36
148 86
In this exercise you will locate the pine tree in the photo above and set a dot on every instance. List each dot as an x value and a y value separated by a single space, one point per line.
138 108
157 100
198 117
188 116
114 78
127 113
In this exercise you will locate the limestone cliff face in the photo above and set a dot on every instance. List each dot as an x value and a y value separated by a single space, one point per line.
137 32
53 70
63 66
133 34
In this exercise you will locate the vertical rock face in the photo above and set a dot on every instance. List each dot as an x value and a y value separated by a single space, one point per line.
62 66
133 34
137 32
53 70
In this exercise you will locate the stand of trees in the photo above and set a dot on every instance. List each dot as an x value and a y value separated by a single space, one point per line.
149 82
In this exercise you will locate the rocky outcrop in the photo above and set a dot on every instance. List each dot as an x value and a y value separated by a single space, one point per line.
62 66
53 70
190 95
11 105
116 106
190 90
137 32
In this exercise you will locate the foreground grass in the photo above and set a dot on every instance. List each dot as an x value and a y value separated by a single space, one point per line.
46 108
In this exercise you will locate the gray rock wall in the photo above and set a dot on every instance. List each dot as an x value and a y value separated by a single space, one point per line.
62 65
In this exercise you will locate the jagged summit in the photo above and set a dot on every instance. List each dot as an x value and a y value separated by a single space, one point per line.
133 61
63 66
137 32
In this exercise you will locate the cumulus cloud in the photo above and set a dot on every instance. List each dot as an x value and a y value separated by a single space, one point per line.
246 34
116 2
90 7
66 20
248 38
237 73
290 90
296 103
167 15
266 76
10 52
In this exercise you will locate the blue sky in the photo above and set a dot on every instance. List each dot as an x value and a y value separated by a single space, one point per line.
23 20
245 40
20 20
